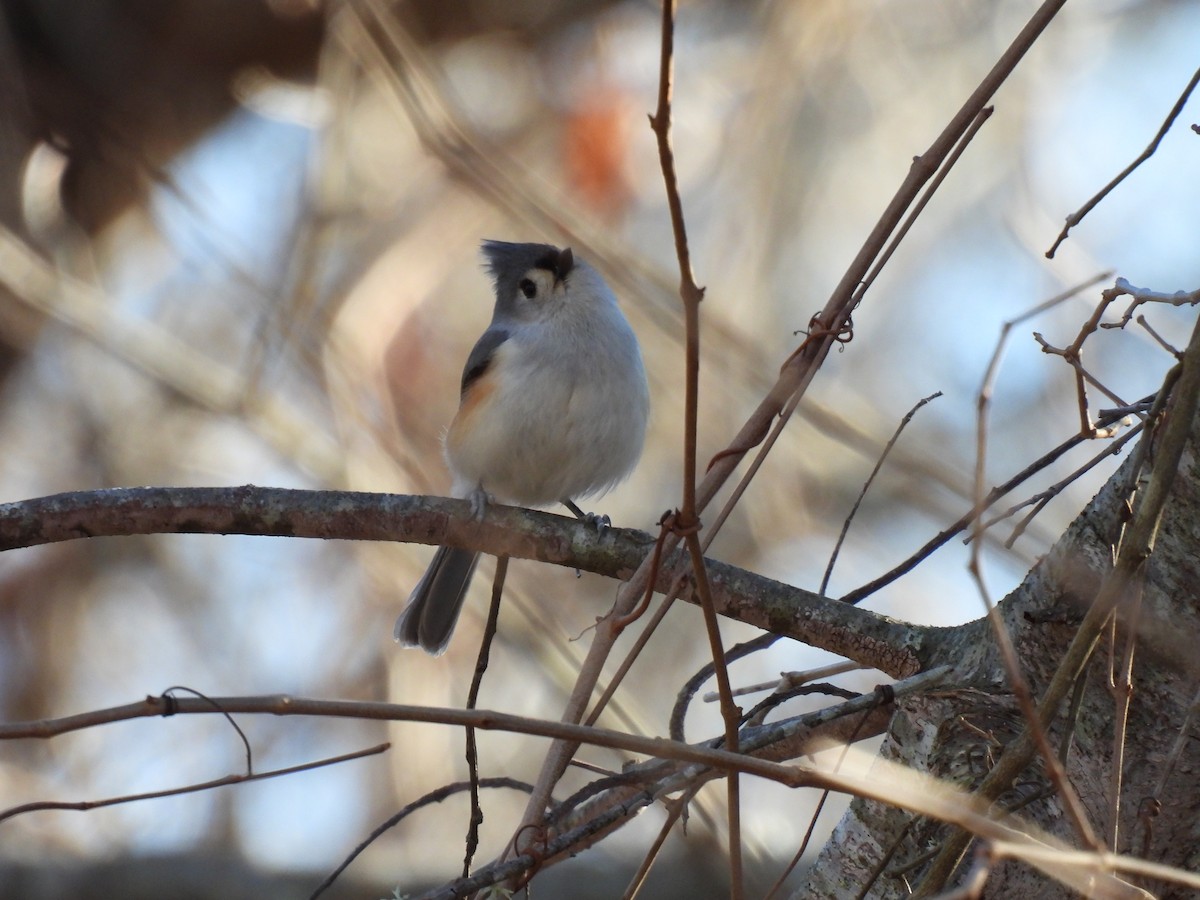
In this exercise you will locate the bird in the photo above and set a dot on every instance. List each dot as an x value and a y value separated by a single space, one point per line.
553 407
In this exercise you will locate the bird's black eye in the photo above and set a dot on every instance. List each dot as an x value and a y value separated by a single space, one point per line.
528 288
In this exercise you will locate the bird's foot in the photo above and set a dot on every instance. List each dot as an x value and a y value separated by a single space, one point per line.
479 500
598 521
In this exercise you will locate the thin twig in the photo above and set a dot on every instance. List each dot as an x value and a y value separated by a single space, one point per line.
883 697
757 714
675 810
1006 329
436 796
1121 689
1076 217
86 805
1073 357
926 195
788 680
169 694
684 698
1073 353
691 295
730 713
1142 296
947 534
1159 339
1008 654
483 719
481 664
1040 500
867 486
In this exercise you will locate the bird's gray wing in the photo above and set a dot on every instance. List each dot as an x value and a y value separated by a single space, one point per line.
481 356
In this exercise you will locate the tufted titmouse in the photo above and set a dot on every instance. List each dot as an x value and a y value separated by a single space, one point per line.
553 407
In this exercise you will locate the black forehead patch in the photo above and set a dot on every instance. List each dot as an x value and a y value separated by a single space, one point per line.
509 262
548 261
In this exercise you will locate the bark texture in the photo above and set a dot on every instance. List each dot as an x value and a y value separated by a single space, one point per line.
957 734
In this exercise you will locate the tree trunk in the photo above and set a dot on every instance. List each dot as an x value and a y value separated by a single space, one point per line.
958 733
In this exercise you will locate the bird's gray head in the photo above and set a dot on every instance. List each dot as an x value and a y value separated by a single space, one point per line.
528 277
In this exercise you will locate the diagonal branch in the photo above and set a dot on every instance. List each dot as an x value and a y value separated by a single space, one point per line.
1076 217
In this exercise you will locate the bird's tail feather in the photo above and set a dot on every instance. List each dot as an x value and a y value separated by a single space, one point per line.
428 619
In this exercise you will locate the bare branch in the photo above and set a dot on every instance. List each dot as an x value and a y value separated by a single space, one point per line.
1076 217
867 486
1008 653
472 751
85 805
941 538
436 796
874 640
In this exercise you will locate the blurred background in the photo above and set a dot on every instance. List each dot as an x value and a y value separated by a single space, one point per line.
240 244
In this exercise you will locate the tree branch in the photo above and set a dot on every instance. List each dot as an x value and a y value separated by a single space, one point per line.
893 647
